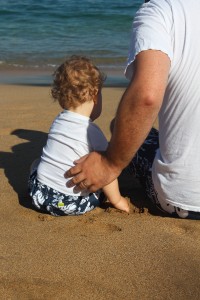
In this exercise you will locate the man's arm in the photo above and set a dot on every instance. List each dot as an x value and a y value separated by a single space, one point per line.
135 116
139 106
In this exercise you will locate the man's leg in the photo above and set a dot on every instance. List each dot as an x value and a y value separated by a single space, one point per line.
141 167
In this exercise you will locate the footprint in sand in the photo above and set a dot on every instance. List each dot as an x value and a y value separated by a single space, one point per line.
186 229
42 217
93 225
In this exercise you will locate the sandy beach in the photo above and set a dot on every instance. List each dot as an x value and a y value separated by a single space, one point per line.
102 255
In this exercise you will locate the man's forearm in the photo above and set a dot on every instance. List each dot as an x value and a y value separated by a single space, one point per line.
135 117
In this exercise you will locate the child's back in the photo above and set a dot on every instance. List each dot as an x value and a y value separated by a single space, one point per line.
71 136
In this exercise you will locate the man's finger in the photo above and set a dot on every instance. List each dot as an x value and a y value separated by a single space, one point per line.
80 160
76 180
73 171
93 188
70 183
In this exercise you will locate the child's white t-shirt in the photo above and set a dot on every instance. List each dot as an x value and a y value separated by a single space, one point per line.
71 136
172 26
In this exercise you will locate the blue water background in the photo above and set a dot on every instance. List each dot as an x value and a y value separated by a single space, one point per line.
40 34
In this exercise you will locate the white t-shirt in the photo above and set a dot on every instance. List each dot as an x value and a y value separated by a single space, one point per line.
173 27
71 136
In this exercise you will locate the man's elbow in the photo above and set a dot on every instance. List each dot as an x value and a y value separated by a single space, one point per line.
152 101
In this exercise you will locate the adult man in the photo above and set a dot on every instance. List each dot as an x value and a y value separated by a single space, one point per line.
164 68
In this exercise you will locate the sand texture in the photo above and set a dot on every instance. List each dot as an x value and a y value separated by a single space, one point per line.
102 255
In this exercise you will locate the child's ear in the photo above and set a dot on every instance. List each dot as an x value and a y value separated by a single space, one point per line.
95 96
95 99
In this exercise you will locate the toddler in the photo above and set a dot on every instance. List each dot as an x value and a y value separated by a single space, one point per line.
77 87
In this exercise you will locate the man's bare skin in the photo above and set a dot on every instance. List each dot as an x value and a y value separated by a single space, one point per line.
135 116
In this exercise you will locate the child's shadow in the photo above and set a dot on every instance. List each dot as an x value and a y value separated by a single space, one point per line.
16 164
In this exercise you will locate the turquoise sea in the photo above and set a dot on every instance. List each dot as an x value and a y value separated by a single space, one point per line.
40 34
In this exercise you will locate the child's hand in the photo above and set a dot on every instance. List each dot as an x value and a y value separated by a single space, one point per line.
123 205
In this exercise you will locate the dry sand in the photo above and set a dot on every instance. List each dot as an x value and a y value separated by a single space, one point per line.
102 255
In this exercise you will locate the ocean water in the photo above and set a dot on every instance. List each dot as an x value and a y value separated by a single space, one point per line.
40 34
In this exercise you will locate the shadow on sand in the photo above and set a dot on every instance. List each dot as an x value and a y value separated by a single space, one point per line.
16 164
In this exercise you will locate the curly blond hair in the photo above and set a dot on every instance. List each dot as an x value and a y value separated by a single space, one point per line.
76 81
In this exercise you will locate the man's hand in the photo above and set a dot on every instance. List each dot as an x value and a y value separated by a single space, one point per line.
92 172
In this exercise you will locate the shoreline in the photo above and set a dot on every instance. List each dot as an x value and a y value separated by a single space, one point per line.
43 76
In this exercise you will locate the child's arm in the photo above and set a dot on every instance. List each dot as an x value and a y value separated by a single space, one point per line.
113 194
100 143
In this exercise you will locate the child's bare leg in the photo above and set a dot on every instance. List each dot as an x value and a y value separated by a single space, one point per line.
113 194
